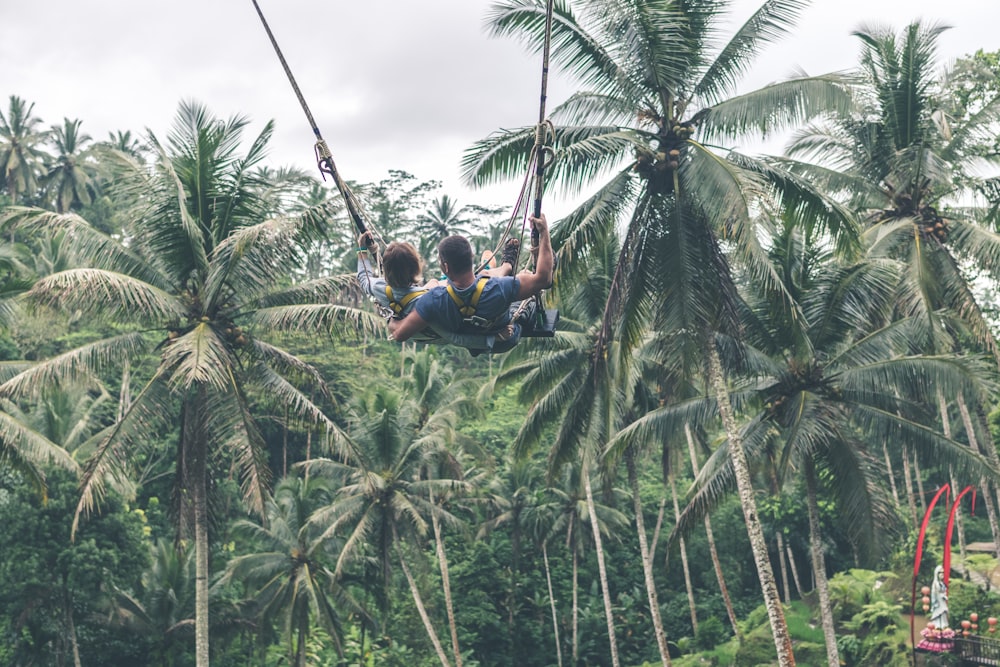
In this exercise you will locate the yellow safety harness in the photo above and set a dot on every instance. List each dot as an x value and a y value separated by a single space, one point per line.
399 306
467 307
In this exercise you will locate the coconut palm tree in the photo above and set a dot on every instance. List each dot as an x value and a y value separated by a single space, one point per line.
660 91
21 152
68 180
909 169
816 395
196 286
163 607
385 504
444 218
288 570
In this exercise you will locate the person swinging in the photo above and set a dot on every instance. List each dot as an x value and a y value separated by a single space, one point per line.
401 285
469 303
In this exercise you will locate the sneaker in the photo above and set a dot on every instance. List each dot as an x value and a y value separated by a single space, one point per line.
510 252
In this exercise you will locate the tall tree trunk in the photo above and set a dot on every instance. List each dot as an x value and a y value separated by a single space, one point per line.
908 481
758 545
552 603
71 628
419 602
946 429
795 569
601 568
819 566
890 474
198 480
990 450
994 459
919 478
656 530
647 564
710 537
780 543
576 607
446 586
300 649
685 567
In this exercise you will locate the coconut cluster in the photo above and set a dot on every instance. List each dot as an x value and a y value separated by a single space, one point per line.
657 164
932 225
929 223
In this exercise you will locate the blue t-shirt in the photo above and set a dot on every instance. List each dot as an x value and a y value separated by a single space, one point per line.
441 312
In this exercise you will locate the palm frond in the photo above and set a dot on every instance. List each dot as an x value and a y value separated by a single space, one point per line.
102 293
326 319
80 363
199 356
771 22
774 108
148 413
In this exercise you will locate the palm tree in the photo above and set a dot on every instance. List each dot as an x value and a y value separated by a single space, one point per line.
163 607
818 392
661 93
288 571
384 505
195 287
908 168
68 180
21 155
443 218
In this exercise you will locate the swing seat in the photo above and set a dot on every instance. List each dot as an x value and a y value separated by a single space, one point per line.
543 325
537 322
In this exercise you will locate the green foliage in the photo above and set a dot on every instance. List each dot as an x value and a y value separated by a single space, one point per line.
47 578
711 632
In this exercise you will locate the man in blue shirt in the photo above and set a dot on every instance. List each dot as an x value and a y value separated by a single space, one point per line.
470 303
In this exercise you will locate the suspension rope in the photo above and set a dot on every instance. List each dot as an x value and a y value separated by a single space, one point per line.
542 154
324 159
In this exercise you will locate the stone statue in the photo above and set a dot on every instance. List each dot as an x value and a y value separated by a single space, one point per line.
939 600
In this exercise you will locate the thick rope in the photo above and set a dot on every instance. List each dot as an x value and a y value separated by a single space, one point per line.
541 154
324 159
540 130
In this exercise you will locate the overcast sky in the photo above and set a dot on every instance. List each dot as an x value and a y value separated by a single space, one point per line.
393 84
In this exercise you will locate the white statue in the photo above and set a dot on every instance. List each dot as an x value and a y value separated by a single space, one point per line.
939 600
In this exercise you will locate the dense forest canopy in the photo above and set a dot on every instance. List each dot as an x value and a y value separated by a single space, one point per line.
765 368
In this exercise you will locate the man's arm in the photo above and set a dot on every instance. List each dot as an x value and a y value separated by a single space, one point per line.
402 330
533 283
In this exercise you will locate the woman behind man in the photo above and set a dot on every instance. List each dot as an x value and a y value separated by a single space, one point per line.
402 284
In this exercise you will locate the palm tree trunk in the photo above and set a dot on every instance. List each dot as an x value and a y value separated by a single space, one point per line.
994 459
199 498
419 602
71 628
921 496
194 451
908 480
712 550
890 474
446 586
601 568
684 558
819 567
783 565
300 649
656 530
794 568
758 545
576 607
647 564
946 429
552 603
